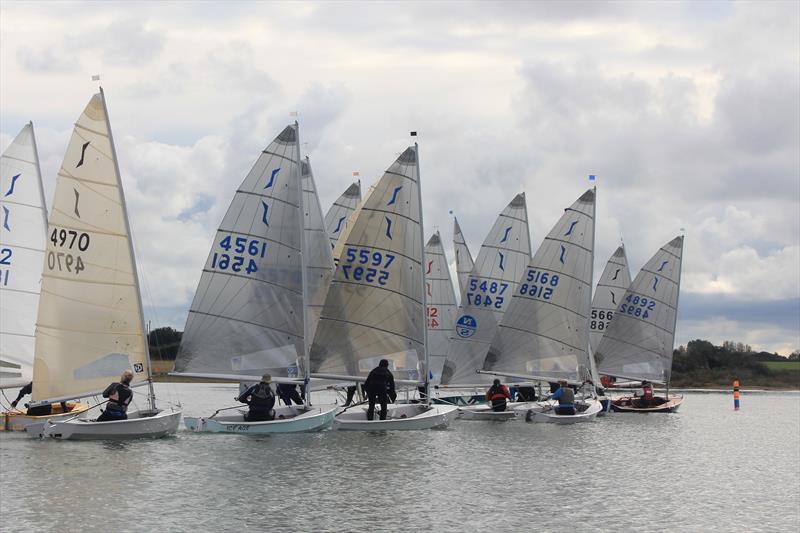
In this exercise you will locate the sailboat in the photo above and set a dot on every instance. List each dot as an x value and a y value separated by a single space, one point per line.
261 291
337 216
464 262
90 325
375 307
23 234
499 266
441 305
544 333
639 342
611 287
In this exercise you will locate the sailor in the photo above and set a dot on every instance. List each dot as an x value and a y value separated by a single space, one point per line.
499 395
380 387
645 394
260 399
119 397
566 399
39 410
526 393
288 393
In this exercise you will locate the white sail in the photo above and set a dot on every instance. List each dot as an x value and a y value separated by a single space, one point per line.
23 233
337 216
611 287
639 342
500 264
545 331
247 314
464 262
374 307
441 304
318 255
90 325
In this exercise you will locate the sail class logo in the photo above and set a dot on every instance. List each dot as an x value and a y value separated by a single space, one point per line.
466 326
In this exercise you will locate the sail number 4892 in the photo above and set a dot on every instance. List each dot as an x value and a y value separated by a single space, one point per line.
370 266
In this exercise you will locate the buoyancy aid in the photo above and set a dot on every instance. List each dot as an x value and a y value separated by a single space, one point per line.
497 392
647 392
119 397
567 396
261 397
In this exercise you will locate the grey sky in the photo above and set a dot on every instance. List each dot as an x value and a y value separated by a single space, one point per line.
688 113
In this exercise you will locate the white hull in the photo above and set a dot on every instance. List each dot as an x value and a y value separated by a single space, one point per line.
399 417
164 422
18 421
296 419
547 414
484 412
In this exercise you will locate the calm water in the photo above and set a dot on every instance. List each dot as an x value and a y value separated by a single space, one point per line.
706 468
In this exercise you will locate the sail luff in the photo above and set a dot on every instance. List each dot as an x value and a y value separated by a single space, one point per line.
425 370
39 176
303 259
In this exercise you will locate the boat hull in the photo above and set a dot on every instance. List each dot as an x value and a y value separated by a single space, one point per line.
18 421
399 417
547 414
161 424
628 404
484 412
296 419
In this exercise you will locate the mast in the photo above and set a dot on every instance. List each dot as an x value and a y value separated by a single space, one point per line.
426 364
675 322
152 395
592 365
303 273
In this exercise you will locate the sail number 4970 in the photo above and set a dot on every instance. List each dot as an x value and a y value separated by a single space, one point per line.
375 264
240 249
72 242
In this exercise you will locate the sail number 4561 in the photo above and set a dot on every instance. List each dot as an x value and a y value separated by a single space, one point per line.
374 269
241 249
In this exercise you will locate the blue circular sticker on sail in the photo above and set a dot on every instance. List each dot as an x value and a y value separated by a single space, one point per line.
466 325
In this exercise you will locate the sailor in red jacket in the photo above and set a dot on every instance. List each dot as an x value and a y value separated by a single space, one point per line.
499 395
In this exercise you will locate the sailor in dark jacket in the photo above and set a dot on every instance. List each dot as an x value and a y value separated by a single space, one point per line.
566 399
380 387
261 400
119 397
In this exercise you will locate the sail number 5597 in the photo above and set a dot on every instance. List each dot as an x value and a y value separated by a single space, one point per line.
370 266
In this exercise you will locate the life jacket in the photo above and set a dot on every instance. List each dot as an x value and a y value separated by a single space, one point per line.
262 397
497 392
120 398
606 381
567 396
647 392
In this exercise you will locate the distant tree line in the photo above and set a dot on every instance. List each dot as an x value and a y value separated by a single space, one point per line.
164 343
700 364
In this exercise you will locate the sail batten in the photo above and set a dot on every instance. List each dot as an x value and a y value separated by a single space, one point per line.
23 233
545 331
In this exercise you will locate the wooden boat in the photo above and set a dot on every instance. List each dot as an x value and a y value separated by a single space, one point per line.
630 404
14 420
260 317
90 325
